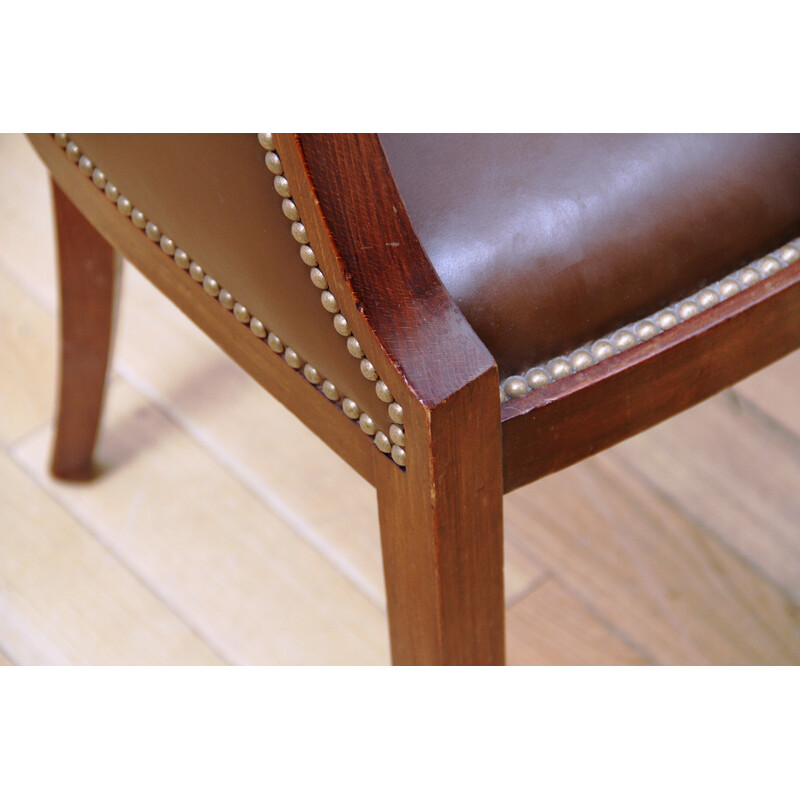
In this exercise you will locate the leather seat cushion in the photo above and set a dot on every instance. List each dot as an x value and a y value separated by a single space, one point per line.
548 241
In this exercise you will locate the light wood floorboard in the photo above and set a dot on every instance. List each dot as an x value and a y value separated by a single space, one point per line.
679 593
27 394
735 476
240 575
64 599
550 626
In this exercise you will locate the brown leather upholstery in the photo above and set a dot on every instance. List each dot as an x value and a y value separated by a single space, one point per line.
547 241
213 195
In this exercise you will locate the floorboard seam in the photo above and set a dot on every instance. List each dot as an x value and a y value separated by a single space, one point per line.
98 537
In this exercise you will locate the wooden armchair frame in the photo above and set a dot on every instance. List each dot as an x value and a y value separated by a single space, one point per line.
440 494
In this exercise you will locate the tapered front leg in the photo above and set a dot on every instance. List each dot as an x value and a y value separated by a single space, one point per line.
88 270
442 534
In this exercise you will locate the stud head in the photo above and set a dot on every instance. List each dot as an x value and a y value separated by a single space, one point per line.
558 368
257 327
707 298
398 455
350 408
623 339
290 210
330 391
241 313
340 325
382 390
367 370
396 413
354 348
292 359
687 309
317 278
667 319
603 349
282 186
581 359
538 377
308 256
311 374
197 272
397 435
382 442
515 386
273 163
226 299
299 233
646 330
329 302
211 286
181 259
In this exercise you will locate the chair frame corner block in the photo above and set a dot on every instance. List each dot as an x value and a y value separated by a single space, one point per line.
440 506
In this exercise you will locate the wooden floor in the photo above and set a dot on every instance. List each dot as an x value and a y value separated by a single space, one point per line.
222 531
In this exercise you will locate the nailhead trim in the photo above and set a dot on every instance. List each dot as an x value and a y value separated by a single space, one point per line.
645 329
215 290
330 304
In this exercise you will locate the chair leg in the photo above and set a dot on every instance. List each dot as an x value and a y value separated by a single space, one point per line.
442 538
89 271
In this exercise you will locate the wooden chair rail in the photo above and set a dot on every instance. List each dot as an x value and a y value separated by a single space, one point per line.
251 353
346 192
575 417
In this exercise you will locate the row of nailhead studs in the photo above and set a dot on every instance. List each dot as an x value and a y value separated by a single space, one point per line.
210 285
627 337
394 444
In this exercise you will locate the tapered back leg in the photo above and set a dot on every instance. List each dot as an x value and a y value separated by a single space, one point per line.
89 273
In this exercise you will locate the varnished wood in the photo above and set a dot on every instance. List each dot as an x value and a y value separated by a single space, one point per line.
88 272
252 354
441 520
575 417
442 535
404 318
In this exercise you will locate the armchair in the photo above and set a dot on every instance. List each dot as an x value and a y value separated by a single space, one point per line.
455 316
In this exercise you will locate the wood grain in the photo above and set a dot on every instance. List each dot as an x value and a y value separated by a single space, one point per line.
551 627
442 535
398 307
773 392
441 521
638 563
252 354
235 572
65 599
573 418
711 601
733 476
273 454
88 273
26 391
